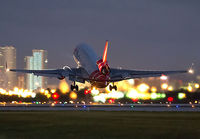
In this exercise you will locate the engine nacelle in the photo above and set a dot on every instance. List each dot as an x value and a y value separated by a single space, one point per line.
61 77
103 67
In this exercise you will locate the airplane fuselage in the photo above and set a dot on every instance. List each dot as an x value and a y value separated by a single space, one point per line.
86 58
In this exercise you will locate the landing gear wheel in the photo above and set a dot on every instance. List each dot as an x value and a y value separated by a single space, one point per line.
74 87
115 87
112 87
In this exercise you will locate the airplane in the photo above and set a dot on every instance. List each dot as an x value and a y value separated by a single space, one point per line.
95 70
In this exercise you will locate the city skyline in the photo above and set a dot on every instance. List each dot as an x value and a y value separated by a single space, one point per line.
151 29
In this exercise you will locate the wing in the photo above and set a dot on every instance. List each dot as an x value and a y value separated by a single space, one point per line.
74 74
121 74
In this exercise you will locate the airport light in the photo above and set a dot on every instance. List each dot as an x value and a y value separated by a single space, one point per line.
100 98
115 95
63 86
170 99
42 90
55 96
132 94
170 88
164 86
196 85
73 95
53 90
153 89
189 88
94 91
111 101
163 77
143 87
86 91
153 96
131 81
134 99
181 95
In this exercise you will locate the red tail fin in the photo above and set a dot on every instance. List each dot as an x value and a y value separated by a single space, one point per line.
105 52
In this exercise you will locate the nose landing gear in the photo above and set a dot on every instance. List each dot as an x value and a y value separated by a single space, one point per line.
74 86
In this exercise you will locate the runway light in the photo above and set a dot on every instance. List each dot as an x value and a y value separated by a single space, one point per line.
189 88
135 99
153 95
196 85
53 90
42 90
164 86
170 88
170 99
131 81
100 98
55 96
86 92
143 87
94 91
111 101
73 95
181 95
153 89
63 86
115 95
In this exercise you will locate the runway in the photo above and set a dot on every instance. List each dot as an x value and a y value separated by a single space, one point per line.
103 107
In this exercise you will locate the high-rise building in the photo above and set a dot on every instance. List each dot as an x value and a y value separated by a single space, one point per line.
36 62
21 81
29 77
8 56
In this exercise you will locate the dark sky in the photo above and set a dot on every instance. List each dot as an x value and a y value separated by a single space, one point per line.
144 34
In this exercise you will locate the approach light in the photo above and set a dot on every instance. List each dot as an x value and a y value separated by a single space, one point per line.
55 96
170 99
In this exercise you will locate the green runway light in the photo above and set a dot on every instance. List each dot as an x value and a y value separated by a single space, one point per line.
181 95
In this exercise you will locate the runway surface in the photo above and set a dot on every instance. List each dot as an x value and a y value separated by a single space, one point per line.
112 107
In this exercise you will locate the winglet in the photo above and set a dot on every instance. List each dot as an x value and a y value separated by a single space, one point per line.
191 70
105 52
7 67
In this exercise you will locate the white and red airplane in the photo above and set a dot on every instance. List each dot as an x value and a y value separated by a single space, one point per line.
95 71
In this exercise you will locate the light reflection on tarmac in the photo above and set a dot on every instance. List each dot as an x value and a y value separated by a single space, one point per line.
114 107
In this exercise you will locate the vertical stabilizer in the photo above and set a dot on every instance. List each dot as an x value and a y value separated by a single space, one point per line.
105 52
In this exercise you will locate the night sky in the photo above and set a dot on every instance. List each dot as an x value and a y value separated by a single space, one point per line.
144 34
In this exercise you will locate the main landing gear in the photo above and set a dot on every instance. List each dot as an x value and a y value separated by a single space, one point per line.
111 87
74 86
